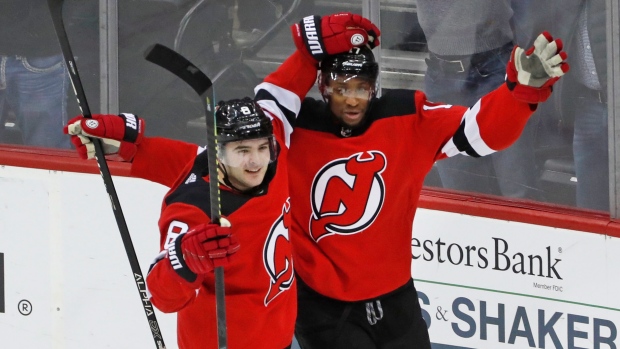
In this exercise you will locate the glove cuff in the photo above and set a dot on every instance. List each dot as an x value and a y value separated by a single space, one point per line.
175 256
134 128
525 93
308 37
528 94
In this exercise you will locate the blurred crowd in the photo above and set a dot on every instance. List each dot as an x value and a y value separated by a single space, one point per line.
562 156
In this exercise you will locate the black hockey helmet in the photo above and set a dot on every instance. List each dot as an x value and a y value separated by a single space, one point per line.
240 119
359 62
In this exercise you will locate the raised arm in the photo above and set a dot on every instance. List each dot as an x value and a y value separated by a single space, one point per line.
498 118
315 37
156 159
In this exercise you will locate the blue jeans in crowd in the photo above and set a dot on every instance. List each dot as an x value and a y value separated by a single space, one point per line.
590 150
463 80
35 89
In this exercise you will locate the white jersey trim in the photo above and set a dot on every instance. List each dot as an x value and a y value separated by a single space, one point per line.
286 98
272 108
472 133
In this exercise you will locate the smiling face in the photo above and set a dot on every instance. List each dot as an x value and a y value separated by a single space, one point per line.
246 162
349 99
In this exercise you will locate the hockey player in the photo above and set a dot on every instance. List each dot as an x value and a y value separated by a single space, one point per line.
260 287
259 278
356 168
255 251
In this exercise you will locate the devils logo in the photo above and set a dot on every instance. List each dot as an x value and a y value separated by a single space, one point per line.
277 255
347 195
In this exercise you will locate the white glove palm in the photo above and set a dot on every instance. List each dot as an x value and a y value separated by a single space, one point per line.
531 74
540 63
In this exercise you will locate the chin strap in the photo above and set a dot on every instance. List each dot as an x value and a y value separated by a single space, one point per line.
226 179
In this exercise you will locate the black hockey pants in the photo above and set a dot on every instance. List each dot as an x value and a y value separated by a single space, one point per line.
392 321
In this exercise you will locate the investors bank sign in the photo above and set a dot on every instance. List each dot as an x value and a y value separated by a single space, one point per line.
485 283
497 255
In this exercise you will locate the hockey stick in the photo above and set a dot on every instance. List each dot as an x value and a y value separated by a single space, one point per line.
199 82
55 7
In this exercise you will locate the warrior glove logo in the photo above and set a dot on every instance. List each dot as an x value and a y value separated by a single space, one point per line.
313 35
132 127
347 195
175 230
130 121
277 255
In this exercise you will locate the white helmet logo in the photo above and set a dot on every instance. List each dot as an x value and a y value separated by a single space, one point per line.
92 123
357 39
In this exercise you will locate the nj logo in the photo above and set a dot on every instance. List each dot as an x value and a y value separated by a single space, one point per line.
347 195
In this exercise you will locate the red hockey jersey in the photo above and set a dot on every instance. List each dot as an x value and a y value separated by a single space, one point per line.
354 193
260 289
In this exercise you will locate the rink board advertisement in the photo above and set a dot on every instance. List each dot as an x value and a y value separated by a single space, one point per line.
486 283
65 280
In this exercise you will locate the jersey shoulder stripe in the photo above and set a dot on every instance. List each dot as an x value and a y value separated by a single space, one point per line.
286 103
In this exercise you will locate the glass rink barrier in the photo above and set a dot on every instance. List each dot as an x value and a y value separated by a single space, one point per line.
515 249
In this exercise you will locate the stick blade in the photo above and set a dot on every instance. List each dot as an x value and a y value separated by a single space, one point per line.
179 66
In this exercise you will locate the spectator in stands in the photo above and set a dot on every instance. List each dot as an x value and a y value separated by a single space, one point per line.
469 45
584 100
33 78
581 104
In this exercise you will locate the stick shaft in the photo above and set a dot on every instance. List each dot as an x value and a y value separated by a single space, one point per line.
200 83
214 189
55 7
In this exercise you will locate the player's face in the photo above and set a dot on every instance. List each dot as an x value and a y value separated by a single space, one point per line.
349 98
246 162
